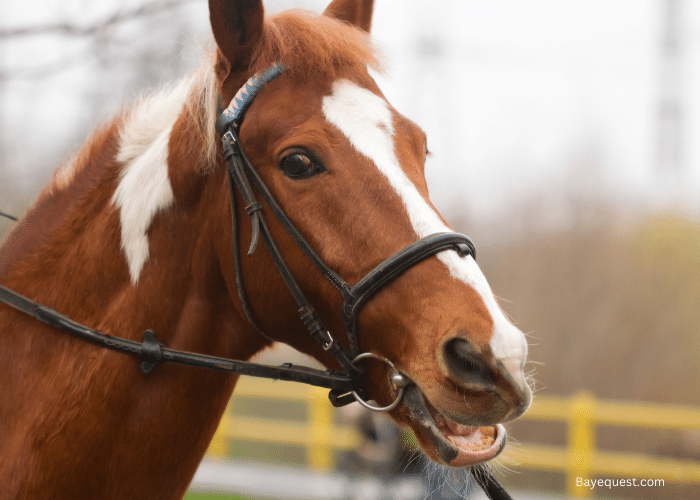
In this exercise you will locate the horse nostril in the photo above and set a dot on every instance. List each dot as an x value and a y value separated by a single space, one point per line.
466 365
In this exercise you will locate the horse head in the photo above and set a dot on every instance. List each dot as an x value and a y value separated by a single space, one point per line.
348 170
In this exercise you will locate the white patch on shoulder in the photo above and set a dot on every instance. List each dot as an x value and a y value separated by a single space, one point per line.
144 187
367 121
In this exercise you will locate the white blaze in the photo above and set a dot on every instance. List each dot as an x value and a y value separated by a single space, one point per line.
367 122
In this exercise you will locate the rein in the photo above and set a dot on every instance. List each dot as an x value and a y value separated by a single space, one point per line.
8 216
151 352
345 387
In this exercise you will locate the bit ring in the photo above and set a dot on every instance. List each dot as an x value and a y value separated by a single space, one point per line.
398 381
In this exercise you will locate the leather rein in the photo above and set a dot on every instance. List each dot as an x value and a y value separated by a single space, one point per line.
346 386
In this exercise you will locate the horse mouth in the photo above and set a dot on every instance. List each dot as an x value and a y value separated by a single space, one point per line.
452 443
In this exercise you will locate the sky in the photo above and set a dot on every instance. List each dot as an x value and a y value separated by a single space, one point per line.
519 98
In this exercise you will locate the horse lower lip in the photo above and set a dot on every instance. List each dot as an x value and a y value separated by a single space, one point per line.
455 444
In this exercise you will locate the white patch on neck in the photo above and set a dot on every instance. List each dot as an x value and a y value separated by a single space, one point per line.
64 175
367 121
144 187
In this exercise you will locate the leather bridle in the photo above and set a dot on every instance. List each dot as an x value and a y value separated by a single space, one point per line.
240 173
346 386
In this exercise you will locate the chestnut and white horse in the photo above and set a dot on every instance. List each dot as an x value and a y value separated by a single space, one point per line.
135 233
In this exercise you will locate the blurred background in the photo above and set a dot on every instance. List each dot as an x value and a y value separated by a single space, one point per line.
564 142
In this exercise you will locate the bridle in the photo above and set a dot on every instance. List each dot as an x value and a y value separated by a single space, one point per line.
240 173
346 386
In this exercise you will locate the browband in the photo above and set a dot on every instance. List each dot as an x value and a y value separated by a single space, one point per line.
233 114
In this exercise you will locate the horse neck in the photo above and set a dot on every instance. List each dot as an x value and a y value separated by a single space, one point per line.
69 253
127 230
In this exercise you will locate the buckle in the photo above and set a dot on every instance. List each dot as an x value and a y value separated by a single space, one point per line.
328 339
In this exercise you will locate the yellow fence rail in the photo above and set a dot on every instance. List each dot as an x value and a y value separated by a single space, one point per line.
320 435
580 459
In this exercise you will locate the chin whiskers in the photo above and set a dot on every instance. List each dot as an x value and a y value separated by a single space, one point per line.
447 483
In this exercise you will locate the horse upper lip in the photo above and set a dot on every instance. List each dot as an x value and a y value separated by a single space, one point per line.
446 447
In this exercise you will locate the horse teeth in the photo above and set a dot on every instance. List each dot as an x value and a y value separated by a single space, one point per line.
488 431
487 440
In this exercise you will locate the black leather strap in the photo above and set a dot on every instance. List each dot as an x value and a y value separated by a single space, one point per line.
151 352
240 287
238 166
278 211
393 267
485 478
8 216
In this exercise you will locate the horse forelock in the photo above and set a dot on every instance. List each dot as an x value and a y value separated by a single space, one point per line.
313 46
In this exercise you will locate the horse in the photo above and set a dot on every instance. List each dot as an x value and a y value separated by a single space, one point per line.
134 234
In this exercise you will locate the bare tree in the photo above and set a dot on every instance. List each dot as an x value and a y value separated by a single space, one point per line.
116 58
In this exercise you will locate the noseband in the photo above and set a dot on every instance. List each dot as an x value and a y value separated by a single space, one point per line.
240 174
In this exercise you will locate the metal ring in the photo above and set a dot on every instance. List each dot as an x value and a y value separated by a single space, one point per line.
394 371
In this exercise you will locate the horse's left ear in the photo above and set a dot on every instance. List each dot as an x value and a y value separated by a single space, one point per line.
356 12
237 26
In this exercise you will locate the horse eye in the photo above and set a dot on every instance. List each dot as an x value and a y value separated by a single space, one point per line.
299 165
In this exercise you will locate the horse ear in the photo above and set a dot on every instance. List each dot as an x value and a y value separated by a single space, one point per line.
237 26
356 12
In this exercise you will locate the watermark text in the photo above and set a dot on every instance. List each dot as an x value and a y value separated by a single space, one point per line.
615 483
